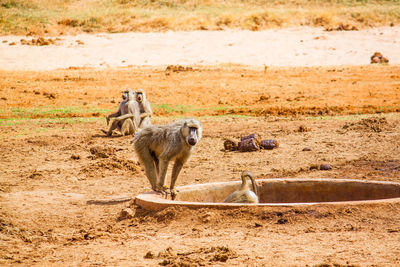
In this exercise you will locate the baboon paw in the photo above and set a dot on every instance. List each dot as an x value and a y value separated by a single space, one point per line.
164 187
161 189
173 193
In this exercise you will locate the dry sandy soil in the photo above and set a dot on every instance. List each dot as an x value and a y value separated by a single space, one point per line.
280 47
348 116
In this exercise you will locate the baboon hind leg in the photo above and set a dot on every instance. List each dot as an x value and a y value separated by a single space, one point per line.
128 127
149 167
156 164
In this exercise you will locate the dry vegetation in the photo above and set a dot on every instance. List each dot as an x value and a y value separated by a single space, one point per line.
39 17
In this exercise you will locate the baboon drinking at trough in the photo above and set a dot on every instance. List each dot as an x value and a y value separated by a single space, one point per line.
157 145
244 194
125 115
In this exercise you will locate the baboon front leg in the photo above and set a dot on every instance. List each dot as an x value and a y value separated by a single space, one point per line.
116 114
113 126
162 171
175 173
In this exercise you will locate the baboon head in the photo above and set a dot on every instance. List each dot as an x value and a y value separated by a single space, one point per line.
191 131
125 95
140 95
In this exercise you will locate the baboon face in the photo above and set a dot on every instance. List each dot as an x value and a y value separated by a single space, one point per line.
125 95
192 138
139 97
191 134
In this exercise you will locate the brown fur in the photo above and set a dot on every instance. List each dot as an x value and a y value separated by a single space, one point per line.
157 145
125 116
244 194
144 109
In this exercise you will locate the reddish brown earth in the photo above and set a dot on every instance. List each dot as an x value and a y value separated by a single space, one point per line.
48 170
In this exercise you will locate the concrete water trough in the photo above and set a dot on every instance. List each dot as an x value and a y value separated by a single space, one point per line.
278 192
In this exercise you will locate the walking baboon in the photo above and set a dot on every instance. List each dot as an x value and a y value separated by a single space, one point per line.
157 145
125 116
244 194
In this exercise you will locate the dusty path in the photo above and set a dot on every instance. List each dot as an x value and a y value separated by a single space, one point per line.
276 47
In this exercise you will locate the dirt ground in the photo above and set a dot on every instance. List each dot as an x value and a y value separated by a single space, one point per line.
298 46
348 116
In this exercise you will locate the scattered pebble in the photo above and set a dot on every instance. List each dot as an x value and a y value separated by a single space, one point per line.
149 255
325 167
248 145
269 144
230 145
303 129
76 157
250 136
126 214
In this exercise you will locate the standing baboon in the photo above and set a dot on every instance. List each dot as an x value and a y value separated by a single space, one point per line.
244 194
157 145
124 118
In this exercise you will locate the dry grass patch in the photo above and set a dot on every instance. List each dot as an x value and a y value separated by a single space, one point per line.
71 16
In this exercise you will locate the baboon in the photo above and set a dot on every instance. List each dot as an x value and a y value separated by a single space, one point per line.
144 109
244 194
142 113
157 145
124 117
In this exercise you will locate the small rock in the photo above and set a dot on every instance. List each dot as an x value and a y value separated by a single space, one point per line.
303 129
76 157
125 214
248 145
149 255
207 217
377 57
313 167
230 145
307 149
282 221
325 167
250 136
269 144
